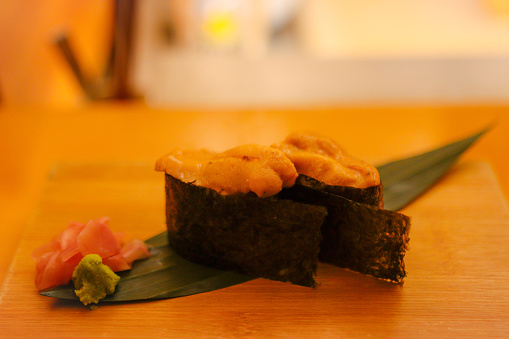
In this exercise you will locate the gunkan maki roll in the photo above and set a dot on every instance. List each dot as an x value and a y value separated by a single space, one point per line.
223 210
357 233
273 212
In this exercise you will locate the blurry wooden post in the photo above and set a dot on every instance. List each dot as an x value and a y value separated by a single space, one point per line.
122 48
114 83
62 41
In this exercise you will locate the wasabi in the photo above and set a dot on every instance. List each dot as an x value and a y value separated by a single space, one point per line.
93 280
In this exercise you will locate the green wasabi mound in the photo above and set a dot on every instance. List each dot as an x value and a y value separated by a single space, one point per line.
93 280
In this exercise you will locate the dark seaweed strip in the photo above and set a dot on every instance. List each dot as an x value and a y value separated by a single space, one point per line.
365 239
268 238
360 237
370 196
404 180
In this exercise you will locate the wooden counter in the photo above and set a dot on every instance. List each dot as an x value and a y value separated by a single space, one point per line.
60 165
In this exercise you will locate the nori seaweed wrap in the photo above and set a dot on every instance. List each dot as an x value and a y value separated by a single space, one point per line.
372 195
358 236
264 237
357 233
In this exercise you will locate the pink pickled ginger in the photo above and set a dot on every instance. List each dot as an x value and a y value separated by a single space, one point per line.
56 260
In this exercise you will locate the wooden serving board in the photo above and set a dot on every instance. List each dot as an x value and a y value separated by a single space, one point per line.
457 284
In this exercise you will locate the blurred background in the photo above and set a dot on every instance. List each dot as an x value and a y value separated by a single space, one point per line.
254 52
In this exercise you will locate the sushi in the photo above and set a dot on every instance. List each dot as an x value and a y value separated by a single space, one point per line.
358 233
223 210
274 212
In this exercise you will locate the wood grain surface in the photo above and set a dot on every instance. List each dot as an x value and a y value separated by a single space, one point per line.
457 284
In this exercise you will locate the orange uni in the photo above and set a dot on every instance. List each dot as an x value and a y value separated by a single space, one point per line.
248 168
324 160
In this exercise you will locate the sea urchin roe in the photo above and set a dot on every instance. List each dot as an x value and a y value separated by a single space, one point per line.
243 169
185 165
324 160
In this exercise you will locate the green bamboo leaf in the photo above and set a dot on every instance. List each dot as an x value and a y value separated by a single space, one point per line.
167 275
406 179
